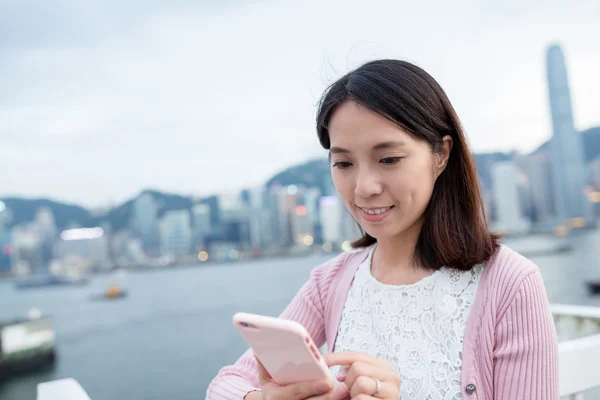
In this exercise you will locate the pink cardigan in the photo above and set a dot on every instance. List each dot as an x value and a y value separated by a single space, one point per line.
510 349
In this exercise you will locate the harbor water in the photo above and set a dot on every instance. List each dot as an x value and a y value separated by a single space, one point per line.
173 332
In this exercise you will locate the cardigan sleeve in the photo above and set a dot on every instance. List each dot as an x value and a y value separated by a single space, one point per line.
526 348
233 382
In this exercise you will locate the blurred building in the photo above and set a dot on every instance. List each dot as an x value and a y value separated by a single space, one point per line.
88 244
235 219
310 199
302 226
175 233
5 233
145 221
568 160
26 250
126 249
282 202
202 226
505 183
538 168
330 215
262 234
46 226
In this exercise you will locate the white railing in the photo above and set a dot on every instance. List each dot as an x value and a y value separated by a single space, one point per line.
61 389
578 329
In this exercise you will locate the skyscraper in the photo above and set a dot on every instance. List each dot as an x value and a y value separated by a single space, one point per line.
4 239
145 219
330 213
201 226
175 233
509 215
566 145
539 173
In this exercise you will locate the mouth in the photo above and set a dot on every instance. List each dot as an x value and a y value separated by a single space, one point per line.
375 214
375 211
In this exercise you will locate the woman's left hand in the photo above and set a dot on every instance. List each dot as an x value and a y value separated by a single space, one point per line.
366 377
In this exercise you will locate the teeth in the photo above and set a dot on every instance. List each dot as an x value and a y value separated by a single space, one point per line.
375 211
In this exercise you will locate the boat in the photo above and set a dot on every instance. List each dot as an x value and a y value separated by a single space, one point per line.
593 287
111 293
39 281
26 345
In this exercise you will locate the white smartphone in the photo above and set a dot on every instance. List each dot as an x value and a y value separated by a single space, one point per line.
283 347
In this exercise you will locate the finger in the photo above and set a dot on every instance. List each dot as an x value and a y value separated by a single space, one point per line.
350 357
364 397
370 371
302 390
340 392
341 375
365 385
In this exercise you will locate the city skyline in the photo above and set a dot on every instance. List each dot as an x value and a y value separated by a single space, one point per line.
102 100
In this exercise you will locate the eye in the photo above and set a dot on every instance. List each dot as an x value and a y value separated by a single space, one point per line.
390 160
342 164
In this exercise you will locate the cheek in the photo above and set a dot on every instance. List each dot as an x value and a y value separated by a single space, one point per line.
343 184
413 186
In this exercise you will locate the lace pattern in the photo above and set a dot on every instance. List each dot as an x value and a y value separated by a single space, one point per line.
419 328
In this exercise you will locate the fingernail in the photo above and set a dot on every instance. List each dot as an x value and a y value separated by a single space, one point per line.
341 392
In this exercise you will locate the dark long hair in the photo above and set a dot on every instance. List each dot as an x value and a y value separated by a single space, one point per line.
455 232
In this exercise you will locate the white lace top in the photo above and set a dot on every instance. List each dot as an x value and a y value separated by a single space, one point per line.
419 328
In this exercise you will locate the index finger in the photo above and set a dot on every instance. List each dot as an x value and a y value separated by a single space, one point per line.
349 358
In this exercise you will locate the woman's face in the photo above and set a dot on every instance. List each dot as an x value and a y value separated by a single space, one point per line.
384 175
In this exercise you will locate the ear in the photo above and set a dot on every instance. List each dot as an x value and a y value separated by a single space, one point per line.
442 157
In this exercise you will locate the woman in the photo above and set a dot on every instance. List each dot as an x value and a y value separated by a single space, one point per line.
430 305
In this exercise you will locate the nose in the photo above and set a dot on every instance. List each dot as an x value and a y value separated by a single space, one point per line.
368 183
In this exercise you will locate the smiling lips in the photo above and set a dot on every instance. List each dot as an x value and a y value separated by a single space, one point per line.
375 214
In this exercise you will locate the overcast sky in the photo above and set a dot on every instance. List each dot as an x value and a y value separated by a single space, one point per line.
99 100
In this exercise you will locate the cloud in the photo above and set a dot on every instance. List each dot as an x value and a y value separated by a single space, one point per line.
99 100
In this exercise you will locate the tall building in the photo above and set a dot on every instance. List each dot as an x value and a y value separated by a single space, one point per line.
282 201
44 220
89 244
201 225
538 168
509 215
175 233
5 248
566 145
260 219
302 226
145 221
330 215
235 219
26 250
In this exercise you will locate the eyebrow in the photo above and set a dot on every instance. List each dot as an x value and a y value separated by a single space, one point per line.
379 146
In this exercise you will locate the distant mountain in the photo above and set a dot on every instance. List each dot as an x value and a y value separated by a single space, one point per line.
120 217
314 173
591 144
23 210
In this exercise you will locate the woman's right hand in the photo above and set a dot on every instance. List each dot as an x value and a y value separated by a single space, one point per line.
309 390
